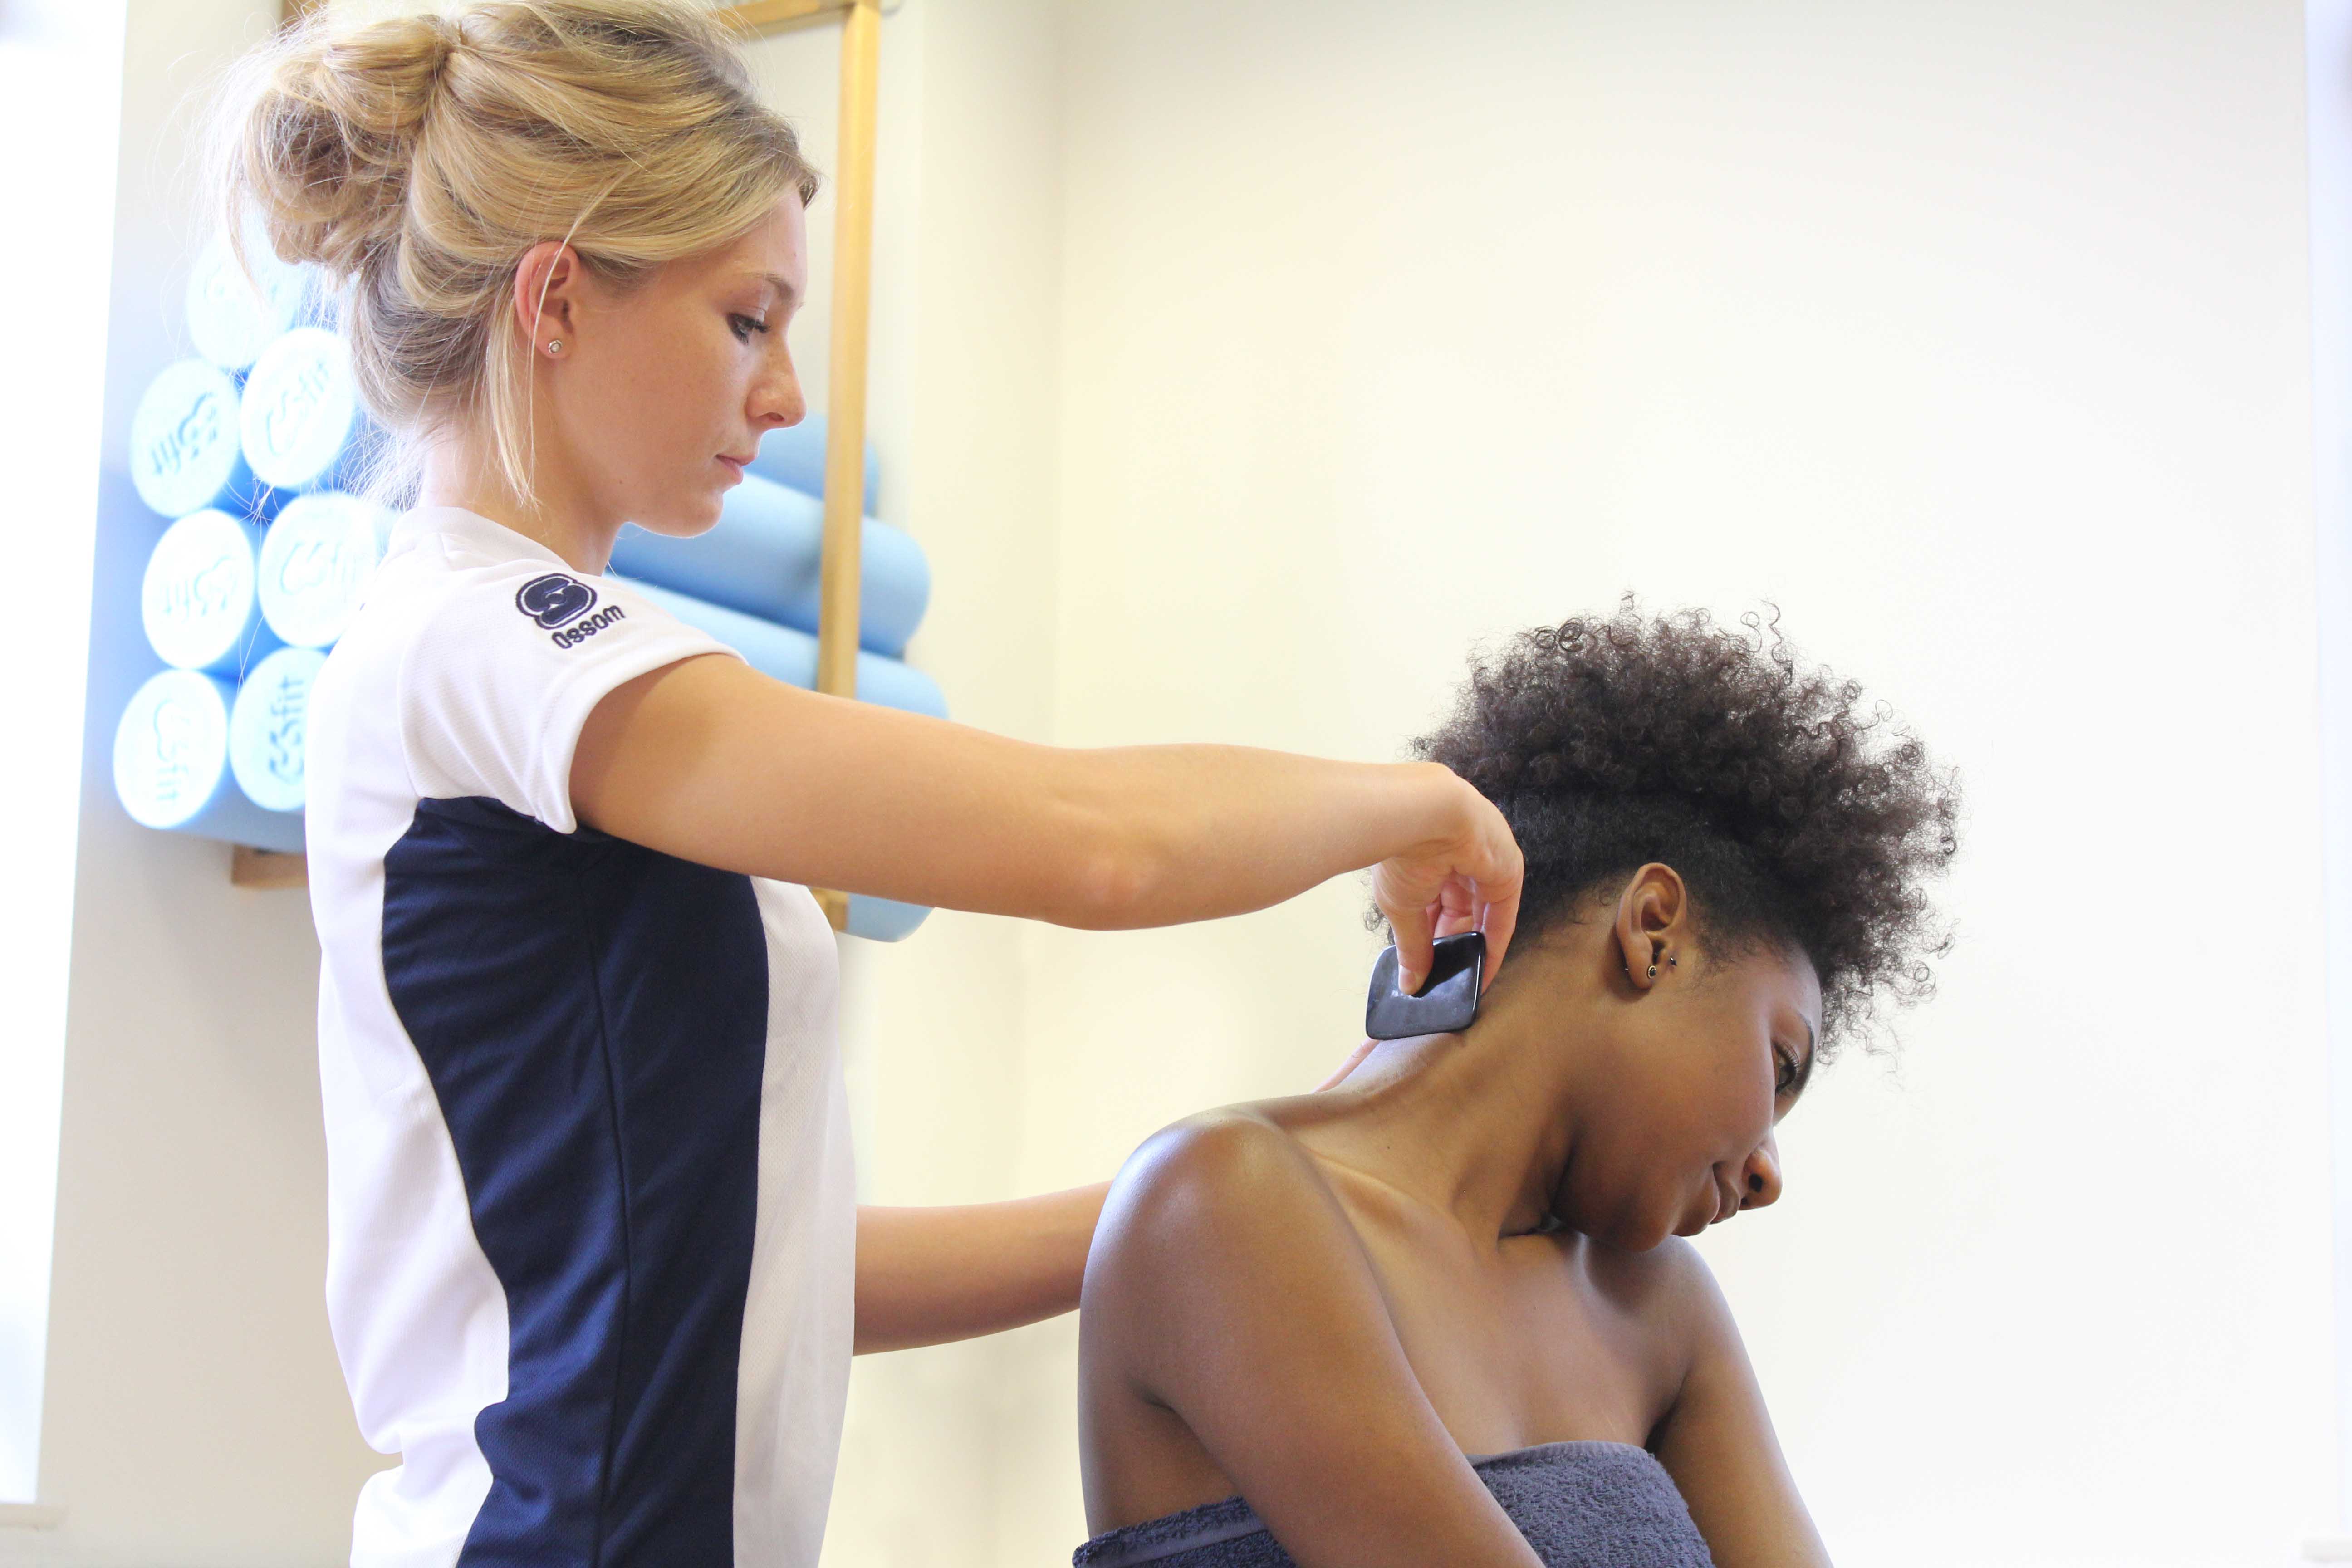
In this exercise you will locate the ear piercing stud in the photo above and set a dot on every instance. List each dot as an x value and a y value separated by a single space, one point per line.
555 345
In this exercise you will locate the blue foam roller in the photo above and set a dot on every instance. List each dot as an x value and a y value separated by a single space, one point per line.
789 654
199 599
315 560
186 451
268 728
884 919
794 457
762 558
172 771
301 411
231 317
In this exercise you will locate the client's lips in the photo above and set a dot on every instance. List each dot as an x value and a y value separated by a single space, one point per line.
737 464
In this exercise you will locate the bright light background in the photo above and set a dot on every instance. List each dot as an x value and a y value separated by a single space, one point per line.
60 85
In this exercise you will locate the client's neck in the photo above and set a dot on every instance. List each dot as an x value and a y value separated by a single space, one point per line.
1478 1124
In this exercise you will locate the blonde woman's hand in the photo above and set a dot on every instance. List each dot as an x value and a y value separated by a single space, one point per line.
1467 879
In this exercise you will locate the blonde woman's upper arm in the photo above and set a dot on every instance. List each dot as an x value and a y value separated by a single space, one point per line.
1241 1301
709 760
1717 1443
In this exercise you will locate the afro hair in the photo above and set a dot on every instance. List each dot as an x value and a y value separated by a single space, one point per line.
1796 814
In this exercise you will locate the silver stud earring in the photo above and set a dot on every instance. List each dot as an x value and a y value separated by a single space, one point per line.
555 345
1672 963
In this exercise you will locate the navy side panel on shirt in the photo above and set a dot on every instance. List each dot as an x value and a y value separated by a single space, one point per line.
592 1016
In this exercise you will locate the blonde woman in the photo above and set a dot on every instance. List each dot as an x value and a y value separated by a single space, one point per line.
596 1266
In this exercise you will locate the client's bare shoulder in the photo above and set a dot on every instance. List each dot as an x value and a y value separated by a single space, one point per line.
1669 1289
1223 1270
1232 1186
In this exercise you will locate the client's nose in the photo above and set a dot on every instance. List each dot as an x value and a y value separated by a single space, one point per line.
1759 1178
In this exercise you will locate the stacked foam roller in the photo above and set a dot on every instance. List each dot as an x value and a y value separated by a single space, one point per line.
751 581
246 448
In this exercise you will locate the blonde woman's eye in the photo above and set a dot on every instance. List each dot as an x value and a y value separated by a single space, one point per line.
745 326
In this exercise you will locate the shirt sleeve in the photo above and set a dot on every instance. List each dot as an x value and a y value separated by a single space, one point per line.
505 670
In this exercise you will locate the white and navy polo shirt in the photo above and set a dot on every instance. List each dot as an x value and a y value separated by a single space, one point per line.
591 1221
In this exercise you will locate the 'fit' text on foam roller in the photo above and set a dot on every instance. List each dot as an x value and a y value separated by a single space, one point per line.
301 411
198 599
315 560
186 453
268 727
170 766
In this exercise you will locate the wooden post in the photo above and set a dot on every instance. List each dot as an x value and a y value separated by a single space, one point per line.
838 607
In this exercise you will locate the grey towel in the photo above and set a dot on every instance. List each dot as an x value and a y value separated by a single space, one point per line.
1581 1505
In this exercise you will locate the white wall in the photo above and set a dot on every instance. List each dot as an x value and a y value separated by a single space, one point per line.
194 1413
965 363
57 60
1978 338
2328 73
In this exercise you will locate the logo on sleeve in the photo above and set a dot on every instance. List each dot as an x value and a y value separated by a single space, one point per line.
554 599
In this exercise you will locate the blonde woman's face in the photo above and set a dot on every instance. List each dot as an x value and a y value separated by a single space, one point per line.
662 395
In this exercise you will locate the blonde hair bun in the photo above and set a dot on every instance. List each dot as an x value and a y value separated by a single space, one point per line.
415 160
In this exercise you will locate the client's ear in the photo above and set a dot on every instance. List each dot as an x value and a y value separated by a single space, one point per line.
1653 924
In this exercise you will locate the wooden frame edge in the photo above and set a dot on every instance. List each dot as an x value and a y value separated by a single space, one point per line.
268 868
761 18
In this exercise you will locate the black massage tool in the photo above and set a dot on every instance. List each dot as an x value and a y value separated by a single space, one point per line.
1448 1000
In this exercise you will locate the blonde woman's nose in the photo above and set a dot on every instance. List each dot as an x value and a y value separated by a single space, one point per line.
777 402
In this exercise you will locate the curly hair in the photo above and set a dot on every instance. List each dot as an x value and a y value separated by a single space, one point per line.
1796 815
